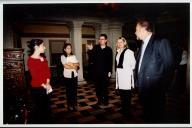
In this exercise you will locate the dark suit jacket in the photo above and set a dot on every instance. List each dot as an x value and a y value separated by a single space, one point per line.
157 65
102 60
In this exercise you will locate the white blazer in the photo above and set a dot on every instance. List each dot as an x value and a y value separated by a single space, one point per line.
124 76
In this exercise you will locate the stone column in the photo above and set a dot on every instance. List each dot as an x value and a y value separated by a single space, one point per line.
104 28
97 32
115 31
76 40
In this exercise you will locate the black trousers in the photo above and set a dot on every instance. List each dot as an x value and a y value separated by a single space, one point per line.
125 96
153 103
42 109
71 91
90 74
182 72
101 84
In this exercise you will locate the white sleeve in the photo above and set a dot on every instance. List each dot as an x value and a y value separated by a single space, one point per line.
129 60
132 62
63 59
75 59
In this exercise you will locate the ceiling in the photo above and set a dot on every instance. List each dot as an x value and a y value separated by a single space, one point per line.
121 11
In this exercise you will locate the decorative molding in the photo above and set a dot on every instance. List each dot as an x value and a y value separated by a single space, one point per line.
88 36
56 35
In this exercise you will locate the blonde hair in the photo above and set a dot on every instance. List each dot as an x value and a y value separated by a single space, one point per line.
124 41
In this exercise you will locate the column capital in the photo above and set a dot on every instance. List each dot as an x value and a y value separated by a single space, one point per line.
76 24
104 25
105 28
97 26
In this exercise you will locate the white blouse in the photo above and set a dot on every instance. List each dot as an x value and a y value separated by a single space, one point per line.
67 72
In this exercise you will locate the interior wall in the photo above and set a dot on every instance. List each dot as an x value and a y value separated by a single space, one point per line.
46 29
46 43
88 30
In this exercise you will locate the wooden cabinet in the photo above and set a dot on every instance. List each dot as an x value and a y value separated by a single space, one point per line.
14 91
13 67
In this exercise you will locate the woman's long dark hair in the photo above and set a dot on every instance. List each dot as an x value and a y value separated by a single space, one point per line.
32 43
64 47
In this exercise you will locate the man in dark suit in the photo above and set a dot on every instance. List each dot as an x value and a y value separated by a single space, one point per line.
154 69
102 64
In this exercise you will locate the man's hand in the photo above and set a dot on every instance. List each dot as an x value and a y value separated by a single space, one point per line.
109 74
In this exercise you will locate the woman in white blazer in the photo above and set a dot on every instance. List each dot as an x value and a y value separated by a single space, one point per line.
125 64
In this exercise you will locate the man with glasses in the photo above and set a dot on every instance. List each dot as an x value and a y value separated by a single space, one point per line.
102 63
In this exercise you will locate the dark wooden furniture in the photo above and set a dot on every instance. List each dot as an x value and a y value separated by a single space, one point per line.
13 67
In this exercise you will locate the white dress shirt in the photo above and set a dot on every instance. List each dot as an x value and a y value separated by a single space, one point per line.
67 72
143 47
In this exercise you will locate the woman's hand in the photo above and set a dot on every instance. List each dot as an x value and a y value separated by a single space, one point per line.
44 86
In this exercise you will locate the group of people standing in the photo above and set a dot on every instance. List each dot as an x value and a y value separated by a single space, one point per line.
150 72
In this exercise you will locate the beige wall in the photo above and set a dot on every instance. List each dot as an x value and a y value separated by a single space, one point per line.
88 30
46 42
55 29
57 47
45 29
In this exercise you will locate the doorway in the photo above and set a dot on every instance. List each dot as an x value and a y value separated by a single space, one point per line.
56 50
85 57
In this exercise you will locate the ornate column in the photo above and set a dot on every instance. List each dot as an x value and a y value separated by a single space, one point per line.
97 32
76 40
115 31
104 28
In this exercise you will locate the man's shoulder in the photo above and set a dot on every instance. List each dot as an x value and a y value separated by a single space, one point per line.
108 47
159 38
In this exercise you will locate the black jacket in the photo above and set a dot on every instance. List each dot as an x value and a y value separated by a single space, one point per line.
157 65
102 60
90 56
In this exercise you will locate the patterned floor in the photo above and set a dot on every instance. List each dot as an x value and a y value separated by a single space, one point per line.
89 113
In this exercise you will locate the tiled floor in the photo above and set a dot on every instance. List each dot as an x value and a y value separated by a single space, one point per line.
89 113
